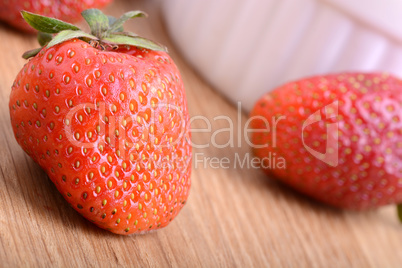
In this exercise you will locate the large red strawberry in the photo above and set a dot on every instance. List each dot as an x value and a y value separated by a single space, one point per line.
336 138
68 10
105 115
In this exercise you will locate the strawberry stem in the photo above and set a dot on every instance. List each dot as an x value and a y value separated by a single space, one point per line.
399 209
97 21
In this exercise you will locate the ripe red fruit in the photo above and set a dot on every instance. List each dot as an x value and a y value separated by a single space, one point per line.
66 10
360 119
107 124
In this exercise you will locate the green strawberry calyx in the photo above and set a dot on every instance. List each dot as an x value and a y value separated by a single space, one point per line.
399 210
106 31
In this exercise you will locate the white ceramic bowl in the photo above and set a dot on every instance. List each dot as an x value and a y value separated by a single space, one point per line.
245 48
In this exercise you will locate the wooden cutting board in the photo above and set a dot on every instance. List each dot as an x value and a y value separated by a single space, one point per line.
234 216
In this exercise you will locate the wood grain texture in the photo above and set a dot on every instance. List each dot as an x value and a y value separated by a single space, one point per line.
234 217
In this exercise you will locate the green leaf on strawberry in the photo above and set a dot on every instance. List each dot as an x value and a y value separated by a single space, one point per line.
117 25
105 31
46 24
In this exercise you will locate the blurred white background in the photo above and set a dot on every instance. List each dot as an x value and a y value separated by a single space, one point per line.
246 48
